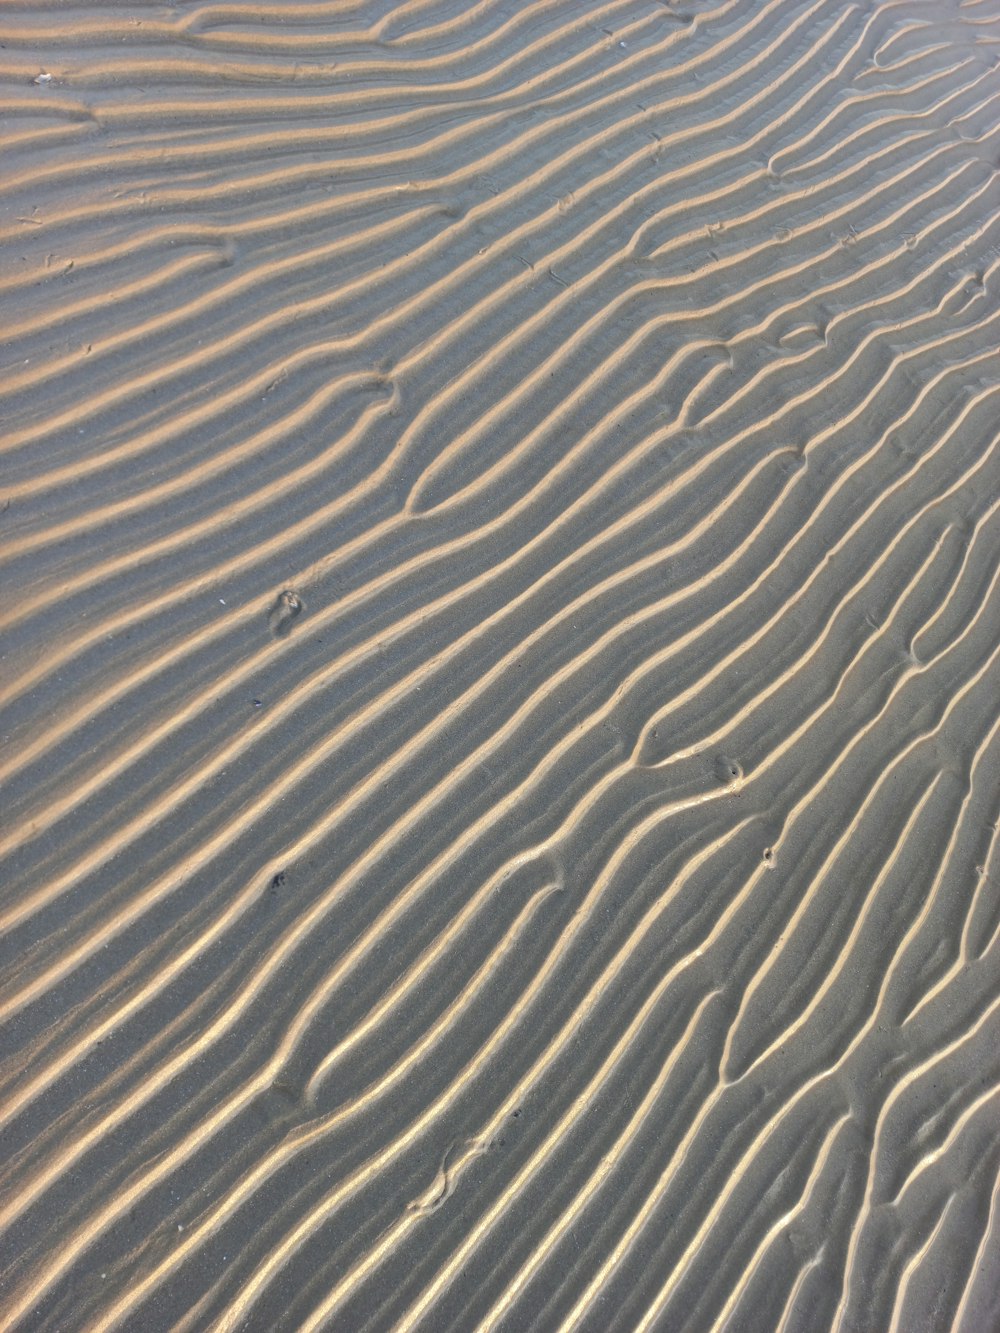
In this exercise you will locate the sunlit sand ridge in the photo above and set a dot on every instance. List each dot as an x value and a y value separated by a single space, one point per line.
500 666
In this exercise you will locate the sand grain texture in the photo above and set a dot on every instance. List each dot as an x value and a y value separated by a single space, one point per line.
500 666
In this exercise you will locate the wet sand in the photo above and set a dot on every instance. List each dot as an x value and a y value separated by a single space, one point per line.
499 666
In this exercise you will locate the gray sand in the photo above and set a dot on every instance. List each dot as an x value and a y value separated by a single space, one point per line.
499 666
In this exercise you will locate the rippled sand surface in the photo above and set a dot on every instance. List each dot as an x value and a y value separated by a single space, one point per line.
500 679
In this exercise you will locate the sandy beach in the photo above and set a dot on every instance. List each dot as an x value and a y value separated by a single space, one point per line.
499 666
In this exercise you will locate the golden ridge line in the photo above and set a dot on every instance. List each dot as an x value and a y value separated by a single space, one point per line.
420 677
781 1224
977 1266
822 1159
897 1091
728 915
911 1265
88 32
252 225
802 804
191 155
531 136
872 443
911 821
577 153
370 1170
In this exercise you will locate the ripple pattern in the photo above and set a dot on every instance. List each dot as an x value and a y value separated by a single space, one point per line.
500 666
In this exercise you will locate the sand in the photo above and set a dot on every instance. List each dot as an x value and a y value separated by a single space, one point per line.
500 657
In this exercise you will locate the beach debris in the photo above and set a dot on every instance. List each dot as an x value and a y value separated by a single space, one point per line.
285 610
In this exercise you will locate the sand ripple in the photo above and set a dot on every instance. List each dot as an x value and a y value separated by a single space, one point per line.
501 539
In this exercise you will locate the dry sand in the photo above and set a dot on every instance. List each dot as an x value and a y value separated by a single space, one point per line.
500 666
